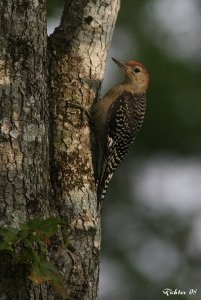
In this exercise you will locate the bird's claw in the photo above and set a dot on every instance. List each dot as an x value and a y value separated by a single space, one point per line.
84 110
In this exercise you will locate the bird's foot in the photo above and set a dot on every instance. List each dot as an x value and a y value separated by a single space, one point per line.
83 109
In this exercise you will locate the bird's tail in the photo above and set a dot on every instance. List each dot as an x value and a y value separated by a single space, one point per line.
101 190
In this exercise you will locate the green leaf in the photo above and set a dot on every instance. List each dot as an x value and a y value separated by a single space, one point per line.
30 240
27 256
29 246
43 271
9 235
22 234
43 248
48 227
5 246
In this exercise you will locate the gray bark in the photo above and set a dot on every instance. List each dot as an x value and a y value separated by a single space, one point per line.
24 154
77 52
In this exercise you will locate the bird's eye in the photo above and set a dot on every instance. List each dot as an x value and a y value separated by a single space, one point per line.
137 70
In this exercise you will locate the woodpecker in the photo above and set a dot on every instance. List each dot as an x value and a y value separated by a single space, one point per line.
117 118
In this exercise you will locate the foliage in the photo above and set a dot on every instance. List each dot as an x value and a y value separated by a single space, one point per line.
53 6
29 245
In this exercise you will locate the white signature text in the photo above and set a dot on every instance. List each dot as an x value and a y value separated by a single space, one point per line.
174 292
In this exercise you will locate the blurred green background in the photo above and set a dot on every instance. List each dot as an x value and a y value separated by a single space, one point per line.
152 213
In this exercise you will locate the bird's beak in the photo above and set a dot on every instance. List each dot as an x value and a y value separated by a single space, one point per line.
121 65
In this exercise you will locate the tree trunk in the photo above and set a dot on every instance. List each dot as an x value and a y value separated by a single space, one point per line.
28 187
24 153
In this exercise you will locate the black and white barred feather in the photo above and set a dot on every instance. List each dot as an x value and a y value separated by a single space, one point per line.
126 118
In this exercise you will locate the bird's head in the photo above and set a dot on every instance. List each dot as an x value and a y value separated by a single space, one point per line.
135 74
